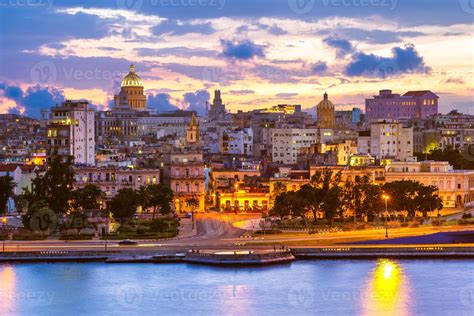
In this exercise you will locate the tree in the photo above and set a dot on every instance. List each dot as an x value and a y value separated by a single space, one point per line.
367 197
6 191
428 199
54 187
192 202
288 203
124 204
156 196
452 155
321 193
88 197
412 196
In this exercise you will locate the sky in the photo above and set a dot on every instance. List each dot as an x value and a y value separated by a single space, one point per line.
259 53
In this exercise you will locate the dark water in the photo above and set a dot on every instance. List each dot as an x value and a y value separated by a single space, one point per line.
336 287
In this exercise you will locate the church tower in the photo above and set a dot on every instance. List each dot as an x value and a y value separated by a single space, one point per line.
217 110
192 132
325 111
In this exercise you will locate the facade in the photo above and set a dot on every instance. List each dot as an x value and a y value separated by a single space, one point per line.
413 104
456 187
173 123
345 120
131 91
71 132
111 179
387 139
117 126
183 172
326 116
237 141
287 143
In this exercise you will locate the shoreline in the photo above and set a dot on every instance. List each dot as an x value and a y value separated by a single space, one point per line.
243 257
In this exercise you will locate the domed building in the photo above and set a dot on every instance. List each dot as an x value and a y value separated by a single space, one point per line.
325 111
131 91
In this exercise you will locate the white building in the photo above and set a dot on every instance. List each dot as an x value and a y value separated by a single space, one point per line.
237 142
286 143
456 187
387 139
71 131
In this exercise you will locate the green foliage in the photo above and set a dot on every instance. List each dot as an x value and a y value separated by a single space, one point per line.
54 187
157 196
88 197
6 191
412 196
163 224
124 204
452 155
33 208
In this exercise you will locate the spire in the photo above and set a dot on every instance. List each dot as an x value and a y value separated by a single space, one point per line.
132 68
325 96
193 120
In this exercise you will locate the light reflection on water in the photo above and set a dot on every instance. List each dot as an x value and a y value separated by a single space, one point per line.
387 290
327 287
7 289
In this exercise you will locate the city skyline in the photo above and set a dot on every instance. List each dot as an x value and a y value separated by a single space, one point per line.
259 55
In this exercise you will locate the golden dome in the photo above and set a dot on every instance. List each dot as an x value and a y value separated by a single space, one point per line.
325 103
132 79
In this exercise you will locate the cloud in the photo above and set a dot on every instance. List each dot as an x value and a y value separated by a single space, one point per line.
196 101
242 50
370 36
343 47
242 92
178 51
174 28
403 60
161 102
319 67
286 95
33 100
276 30
454 80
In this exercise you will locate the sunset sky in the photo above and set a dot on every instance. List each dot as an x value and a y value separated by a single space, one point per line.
258 52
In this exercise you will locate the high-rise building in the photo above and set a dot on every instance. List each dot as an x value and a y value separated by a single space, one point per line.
288 142
217 110
131 91
325 110
387 139
413 104
71 132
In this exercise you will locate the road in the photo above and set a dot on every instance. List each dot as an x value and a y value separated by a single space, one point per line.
215 231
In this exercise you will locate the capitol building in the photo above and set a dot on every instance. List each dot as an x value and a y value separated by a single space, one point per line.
131 91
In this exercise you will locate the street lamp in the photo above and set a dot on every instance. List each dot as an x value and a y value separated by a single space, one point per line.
4 224
386 198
